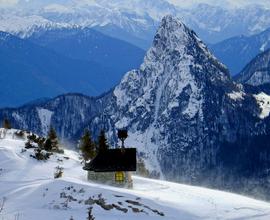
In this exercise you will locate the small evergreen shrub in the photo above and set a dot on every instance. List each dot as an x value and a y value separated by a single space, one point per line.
40 154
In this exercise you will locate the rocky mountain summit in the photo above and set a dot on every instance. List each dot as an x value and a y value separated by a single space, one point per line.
189 120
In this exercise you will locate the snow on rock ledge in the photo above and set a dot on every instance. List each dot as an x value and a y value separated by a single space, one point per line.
263 101
237 95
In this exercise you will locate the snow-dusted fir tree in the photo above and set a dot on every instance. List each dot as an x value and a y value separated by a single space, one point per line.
52 143
87 146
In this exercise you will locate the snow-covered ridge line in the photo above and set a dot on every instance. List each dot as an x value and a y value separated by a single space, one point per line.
29 191
138 17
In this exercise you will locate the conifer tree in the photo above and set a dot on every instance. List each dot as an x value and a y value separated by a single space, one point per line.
48 145
87 146
6 124
102 141
51 144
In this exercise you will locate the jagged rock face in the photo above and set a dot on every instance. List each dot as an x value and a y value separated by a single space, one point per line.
187 118
165 96
177 106
257 72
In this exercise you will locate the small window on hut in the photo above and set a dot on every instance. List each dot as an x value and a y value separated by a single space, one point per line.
119 177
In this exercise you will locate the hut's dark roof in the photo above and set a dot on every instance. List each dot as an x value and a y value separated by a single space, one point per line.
114 160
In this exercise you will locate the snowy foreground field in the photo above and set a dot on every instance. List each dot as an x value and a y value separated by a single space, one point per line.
28 191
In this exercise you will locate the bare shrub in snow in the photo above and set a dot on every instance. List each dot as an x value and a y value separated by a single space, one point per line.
58 172
2 204
90 215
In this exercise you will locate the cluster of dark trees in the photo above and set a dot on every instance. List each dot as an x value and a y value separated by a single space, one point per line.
44 147
89 148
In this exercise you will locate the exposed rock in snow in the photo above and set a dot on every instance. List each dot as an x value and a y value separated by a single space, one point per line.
236 95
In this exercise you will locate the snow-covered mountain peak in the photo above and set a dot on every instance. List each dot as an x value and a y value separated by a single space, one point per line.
176 60
177 70
175 43
171 34
25 26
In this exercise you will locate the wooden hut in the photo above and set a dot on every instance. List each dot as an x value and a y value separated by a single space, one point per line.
113 166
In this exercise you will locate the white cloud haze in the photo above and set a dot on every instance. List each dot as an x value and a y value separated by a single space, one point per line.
181 3
4 3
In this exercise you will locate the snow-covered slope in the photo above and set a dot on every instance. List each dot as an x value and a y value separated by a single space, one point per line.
28 191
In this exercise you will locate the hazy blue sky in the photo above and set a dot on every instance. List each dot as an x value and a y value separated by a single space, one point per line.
183 3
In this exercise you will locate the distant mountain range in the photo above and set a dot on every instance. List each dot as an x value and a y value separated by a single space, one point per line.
90 45
189 120
72 60
114 34
134 21
237 52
